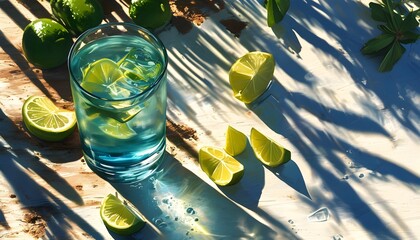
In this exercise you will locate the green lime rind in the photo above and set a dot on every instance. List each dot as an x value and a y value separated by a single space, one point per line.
220 167
46 43
269 152
150 14
119 218
77 15
46 121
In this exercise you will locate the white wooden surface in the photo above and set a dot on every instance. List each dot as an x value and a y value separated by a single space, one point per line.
354 134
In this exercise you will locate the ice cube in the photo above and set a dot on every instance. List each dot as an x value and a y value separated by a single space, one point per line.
320 215
140 65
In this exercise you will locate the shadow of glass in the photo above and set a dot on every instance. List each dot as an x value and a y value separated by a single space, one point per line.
179 204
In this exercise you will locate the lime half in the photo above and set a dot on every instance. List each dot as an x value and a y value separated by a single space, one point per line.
118 216
45 120
250 75
235 141
219 166
268 151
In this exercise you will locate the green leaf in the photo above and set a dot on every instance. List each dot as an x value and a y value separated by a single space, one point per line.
276 10
394 20
377 44
410 22
378 12
409 37
394 54
385 29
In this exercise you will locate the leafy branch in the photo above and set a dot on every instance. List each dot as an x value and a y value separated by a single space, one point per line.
398 26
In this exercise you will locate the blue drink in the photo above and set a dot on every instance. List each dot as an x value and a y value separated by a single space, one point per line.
118 82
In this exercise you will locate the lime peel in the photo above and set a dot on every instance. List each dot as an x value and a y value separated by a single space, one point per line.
267 150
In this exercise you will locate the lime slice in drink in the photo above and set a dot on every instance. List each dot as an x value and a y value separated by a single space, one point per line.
117 129
267 151
250 75
235 141
219 166
45 120
119 217
104 79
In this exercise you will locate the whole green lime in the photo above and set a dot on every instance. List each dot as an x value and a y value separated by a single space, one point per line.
77 15
46 43
150 14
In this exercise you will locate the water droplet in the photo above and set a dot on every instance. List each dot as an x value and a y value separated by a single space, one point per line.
196 219
353 165
320 215
160 223
338 237
165 201
290 221
346 177
176 219
190 210
361 175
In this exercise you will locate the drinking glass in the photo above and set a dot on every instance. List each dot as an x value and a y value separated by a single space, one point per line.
118 81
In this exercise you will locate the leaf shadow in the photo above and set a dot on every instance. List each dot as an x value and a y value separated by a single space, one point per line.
292 176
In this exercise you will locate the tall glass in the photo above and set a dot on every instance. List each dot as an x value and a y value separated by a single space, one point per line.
118 82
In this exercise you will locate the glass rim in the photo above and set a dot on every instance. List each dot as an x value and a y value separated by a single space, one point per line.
125 24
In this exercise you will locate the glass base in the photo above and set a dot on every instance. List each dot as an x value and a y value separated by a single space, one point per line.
127 173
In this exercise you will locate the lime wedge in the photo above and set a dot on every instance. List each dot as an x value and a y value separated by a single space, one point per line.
117 129
119 217
267 151
250 75
104 78
235 141
219 166
45 120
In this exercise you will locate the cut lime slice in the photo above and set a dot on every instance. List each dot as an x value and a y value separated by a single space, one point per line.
117 129
45 120
250 75
235 141
219 166
119 217
104 79
267 151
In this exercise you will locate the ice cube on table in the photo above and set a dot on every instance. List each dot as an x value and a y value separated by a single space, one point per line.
320 215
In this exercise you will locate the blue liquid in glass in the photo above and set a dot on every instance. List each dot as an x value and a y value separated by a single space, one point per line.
121 120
